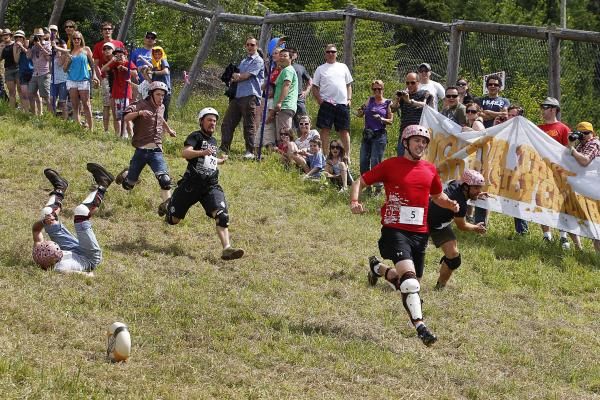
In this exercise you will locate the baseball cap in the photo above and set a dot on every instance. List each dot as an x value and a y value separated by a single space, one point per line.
585 127
119 50
109 44
425 65
151 33
550 101
53 28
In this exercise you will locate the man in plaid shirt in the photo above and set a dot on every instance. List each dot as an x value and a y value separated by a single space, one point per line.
586 150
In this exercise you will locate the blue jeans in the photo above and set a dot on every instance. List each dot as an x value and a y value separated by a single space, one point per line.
521 226
371 152
142 157
85 248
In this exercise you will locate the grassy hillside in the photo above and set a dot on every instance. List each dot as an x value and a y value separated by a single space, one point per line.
295 317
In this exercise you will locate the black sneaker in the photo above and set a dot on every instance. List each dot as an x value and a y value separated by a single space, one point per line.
231 253
121 176
101 175
426 336
162 207
58 182
373 276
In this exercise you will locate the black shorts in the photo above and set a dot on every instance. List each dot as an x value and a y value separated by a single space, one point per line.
398 245
337 115
189 193
441 236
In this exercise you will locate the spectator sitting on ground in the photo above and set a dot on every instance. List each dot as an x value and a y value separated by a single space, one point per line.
305 135
287 148
336 166
314 163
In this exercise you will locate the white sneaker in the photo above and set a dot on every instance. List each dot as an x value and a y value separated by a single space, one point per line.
249 156
564 243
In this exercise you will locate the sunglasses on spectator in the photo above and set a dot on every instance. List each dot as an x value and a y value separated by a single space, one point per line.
451 96
251 44
107 48
423 70
150 37
107 29
331 51
546 106
304 123
377 88
69 27
411 82
493 85
587 132
471 111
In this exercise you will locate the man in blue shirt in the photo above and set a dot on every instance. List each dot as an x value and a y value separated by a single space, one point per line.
247 98
142 56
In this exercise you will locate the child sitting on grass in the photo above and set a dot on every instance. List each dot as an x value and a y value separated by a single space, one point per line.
336 167
315 162
287 148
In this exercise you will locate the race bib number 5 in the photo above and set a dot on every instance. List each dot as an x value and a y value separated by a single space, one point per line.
411 215
210 162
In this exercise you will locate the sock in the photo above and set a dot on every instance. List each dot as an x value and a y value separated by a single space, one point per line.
563 235
548 235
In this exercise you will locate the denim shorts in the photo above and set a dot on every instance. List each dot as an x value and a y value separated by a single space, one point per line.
142 157
59 90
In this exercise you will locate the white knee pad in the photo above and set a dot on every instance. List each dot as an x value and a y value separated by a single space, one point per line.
411 288
45 212
81 210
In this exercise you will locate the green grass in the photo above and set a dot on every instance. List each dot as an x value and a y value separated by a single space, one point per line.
292 319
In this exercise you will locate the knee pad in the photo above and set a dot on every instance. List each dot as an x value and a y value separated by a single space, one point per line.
164 180
410 297
126 185
81 211
452 263
222 218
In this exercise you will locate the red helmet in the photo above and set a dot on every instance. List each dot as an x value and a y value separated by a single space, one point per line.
472 178
46 254
416 130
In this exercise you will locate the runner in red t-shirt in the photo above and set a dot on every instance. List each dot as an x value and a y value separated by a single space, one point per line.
409 182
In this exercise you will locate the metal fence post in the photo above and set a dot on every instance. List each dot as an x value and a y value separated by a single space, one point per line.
553 66
201 55
350 24
126 21
453 54
265 35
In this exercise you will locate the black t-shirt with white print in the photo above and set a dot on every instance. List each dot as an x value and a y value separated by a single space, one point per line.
202 168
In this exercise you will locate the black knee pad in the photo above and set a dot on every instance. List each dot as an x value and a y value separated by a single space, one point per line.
126 185
452 263
164 180
222 218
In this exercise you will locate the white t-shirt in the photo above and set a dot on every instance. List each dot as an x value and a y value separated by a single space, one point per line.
332 80
305 144
436 90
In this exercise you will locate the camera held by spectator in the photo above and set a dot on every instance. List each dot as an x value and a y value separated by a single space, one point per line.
575 135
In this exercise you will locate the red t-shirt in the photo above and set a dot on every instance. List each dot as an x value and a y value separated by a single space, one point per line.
120 80
557 131
411 181
98 54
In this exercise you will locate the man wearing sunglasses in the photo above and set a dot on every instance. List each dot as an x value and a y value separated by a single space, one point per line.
409 103
433 87
142 56
99 60
454 109
493 105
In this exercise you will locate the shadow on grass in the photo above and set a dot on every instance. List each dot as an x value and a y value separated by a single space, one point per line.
521 247
142 245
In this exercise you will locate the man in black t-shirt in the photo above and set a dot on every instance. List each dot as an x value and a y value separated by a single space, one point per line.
200 182
440 219
409 103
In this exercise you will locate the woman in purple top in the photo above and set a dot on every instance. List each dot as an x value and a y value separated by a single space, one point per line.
378 114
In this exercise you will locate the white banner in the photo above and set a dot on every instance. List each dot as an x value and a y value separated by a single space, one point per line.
530 175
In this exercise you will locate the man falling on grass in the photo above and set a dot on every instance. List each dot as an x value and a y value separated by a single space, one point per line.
409 182
200 182
64 252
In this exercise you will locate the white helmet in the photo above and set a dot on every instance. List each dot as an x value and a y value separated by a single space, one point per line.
118 345
206 111
158 85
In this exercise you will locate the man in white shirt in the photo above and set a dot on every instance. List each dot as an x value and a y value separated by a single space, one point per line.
332 88
425 83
